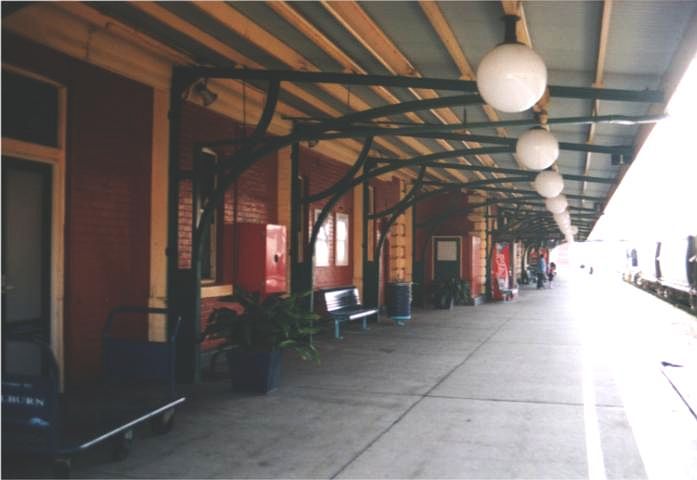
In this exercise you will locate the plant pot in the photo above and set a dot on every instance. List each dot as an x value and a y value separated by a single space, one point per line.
258 372
443 302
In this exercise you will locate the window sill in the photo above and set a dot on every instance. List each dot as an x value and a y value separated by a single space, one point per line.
210 291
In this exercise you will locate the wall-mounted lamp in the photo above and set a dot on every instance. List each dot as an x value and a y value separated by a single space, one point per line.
208 97
620 159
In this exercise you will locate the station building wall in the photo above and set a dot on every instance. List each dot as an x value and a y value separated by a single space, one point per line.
320 172
116 184
107 188
458 225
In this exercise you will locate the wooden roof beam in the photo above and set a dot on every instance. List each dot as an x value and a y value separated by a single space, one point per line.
300 23
515 7
599 76
254 34
357 22
442 28
178 24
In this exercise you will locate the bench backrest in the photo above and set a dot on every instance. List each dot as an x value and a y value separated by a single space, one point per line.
341 298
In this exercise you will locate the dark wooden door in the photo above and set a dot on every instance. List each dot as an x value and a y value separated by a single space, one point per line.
446 257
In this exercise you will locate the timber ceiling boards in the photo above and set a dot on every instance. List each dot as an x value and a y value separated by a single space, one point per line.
609 44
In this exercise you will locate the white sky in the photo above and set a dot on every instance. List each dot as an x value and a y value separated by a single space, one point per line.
657 199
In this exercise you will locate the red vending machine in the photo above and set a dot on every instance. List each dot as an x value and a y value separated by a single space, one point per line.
261 258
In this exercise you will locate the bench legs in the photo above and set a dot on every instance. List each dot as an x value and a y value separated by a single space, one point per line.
337 327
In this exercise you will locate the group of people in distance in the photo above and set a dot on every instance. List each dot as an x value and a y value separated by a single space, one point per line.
545 272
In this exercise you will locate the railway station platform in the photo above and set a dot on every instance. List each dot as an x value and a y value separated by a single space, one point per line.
559 383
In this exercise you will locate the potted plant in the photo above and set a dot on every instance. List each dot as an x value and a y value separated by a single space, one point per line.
443 294
453 291
463 295
256 332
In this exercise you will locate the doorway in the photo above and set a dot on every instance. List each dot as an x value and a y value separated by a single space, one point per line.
446 258
26 248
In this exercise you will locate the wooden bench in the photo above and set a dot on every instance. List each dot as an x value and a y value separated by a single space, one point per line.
344 304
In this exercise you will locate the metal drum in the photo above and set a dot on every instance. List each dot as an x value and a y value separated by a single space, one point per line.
399 302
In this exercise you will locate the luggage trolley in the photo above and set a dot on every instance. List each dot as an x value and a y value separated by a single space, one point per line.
138 385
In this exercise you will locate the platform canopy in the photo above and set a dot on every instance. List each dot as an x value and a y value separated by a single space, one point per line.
611 67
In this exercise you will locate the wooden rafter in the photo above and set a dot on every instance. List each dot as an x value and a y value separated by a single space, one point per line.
357 22
294 18
447 36
515 7
173 21
262 39
599 76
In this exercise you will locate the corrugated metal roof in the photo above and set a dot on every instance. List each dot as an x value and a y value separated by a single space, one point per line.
643 37
419 43
566 34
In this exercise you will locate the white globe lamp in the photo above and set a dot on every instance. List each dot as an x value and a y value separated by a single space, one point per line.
537 149
548 183
562 219
573 230
556 204
511 77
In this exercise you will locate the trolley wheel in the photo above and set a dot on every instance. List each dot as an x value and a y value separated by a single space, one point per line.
121 445
61 468
163 422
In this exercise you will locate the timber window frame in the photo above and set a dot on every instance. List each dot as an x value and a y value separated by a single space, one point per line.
323 241
341 240
205 183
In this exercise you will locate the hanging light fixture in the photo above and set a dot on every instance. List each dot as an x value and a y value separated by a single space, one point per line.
537 149
512 77
549 183
563 219
573 230
556 204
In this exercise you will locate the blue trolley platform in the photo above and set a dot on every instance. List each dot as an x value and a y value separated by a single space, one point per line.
138 385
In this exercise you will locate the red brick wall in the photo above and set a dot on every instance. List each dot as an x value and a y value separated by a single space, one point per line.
321 172
198 124
107 248
252 199
456 225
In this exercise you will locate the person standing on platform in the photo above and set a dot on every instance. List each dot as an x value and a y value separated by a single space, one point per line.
541 271
551 272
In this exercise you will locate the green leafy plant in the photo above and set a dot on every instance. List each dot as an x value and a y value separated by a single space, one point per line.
451 291
461 290
277 322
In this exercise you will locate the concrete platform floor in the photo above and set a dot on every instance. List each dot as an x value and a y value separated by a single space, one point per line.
560 383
